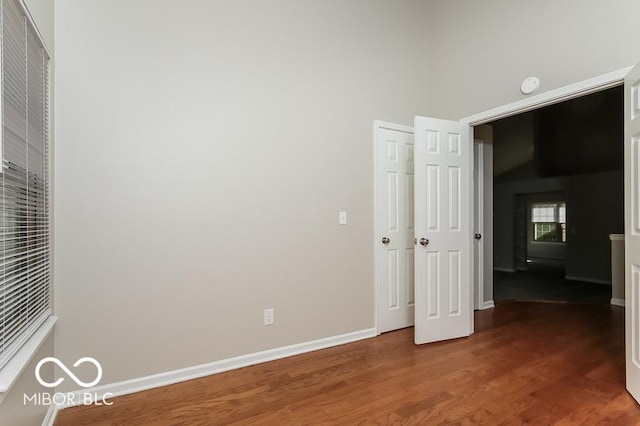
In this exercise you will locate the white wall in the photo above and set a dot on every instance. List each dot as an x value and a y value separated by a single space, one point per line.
203 152
483 50
594 210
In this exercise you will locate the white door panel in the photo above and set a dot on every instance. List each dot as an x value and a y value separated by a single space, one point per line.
395 210
443 218
632 229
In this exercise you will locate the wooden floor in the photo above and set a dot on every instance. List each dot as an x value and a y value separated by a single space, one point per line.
527 363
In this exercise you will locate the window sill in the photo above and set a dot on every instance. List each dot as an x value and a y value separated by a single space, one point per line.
548 242
10 373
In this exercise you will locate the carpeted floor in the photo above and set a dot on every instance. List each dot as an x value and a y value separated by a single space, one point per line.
546 284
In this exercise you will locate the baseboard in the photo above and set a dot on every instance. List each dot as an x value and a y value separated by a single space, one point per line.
504 269
487 305
618 302
587 280
126 387
50 417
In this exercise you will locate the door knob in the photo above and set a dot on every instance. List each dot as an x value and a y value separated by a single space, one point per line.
385 240
477 236
424 242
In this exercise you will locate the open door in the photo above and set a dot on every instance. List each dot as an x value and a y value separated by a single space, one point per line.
443 230
632 228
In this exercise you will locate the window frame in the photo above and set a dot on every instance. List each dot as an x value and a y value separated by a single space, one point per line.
558 218
26 342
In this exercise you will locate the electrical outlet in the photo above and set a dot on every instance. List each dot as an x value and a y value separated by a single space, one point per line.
268 317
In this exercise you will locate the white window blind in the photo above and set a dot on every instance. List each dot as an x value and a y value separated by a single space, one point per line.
24 181
549 212
544 213
549 222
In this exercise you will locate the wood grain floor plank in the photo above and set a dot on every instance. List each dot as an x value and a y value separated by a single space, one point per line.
527 363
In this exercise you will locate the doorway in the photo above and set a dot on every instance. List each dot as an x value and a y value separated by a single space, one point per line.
476 123
558 195
481 126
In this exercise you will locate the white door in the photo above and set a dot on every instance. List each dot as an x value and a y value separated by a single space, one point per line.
632 229
443 221
394 236
478 231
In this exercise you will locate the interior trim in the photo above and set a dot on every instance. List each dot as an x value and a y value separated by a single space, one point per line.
585 87
140 384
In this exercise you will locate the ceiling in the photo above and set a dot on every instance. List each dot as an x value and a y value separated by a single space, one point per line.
580 136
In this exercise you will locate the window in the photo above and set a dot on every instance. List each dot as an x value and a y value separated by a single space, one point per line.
549 222
24 181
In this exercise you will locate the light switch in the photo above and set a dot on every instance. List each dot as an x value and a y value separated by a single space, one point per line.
343 218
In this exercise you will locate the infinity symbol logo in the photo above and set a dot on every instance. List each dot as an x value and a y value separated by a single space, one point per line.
68 372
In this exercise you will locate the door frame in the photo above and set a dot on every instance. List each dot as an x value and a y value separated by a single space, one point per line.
478 201
565 93
575 90
378 124
483 192
571 91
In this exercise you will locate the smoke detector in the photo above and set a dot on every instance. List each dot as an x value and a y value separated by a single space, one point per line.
529 85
